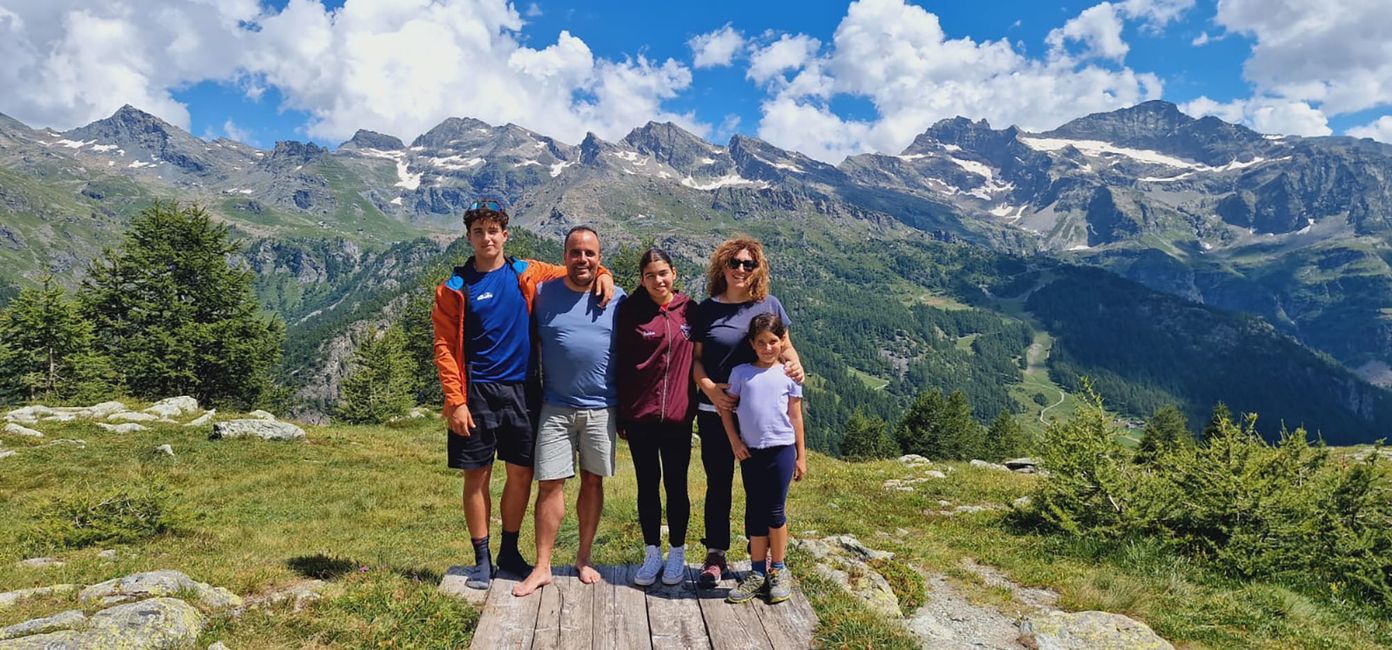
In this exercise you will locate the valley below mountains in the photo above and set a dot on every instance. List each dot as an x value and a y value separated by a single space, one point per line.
1166 259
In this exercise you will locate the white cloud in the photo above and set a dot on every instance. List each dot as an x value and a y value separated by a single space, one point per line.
533 10
1336 54
234 132
1155 13
727 128
1379 129
897 56
787 53
396 66
717 48
1098 29
1201 40
1265 114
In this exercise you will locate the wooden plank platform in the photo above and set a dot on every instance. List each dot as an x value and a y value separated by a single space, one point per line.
617 615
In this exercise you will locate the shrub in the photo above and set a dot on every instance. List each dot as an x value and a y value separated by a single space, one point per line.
941 427
867 438
382 383
1288 510
119 516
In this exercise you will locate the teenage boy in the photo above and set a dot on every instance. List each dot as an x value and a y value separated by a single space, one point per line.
576 335
483 350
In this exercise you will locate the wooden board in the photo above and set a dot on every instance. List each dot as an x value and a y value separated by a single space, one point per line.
577 611
736 627
789 624
507 621
674 616
547 634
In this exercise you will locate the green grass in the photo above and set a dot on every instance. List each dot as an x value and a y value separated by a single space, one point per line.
375 512
874 382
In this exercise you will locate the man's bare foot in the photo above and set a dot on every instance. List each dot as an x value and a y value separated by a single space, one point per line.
586 574
540 577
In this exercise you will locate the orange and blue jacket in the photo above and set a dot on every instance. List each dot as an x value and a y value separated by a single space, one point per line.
448 318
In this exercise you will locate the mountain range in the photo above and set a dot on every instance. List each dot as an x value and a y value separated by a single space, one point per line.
1217 221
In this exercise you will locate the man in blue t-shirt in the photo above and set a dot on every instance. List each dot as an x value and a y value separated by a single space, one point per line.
576 334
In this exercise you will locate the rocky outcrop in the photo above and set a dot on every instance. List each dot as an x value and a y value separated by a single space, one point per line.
263 429
1088 631
158 583
153 624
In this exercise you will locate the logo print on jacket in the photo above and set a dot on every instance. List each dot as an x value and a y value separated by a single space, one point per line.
485 295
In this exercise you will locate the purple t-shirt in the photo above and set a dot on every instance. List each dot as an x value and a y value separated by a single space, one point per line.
722 329
763 404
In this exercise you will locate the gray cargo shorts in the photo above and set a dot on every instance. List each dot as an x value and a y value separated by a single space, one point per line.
566 431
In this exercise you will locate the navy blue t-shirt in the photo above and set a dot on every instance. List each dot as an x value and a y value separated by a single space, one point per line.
497 330
722 329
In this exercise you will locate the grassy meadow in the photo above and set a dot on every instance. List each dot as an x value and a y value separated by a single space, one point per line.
374 511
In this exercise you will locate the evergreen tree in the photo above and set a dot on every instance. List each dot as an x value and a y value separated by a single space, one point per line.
419 335
382 384
1220 416
175 316
1006 438
47 350
867 438
1166 430
940 427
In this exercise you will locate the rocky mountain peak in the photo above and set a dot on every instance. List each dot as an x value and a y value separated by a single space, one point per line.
452 130
11 124
958 132
365 139
288 152
136 131
591 148
1160 126
671 144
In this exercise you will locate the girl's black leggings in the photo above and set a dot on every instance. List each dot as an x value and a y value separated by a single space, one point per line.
661 455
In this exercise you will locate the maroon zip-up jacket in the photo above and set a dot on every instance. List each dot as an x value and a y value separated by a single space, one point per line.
652 360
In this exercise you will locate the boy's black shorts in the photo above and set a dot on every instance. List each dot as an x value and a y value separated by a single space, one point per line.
503 423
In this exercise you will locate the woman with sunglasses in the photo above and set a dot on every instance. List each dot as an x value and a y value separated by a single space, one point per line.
738 283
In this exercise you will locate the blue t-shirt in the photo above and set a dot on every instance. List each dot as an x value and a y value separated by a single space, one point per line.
577 341
497 334
763 404
722 329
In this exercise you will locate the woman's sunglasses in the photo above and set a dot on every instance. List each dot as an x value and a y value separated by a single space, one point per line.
749 265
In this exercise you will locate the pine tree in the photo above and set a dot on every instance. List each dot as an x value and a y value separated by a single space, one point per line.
176 317
381 385
48 350
1006 438
419 335
940 427
1221 415
1166 430
867 438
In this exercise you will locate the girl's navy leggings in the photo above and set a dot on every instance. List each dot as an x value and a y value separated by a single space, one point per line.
767 473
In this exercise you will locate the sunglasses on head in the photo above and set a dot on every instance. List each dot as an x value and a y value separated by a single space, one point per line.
487 204
749 265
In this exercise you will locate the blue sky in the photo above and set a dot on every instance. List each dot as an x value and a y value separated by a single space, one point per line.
263 72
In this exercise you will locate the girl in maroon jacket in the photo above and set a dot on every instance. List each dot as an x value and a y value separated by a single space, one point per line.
652 362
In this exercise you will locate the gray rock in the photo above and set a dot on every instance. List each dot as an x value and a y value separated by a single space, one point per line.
258 414
174 407
986 465
107 554
932 473
948 620
68 620
128 427
263 429
40 563
155 623
106 409
132 416
21 430
59 417
157 583
218 646
64 640
302 594
6 453
9 598
1088 630
453 584
850 543
166 450
28 414
1022 503
914 459
202 419
67 442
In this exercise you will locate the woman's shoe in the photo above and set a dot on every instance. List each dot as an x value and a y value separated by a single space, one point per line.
712 570
652 565
675 571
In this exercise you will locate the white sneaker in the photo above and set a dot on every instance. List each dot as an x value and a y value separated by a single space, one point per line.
676 566
652 564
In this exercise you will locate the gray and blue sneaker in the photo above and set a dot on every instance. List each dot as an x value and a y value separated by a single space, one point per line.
747 590
652 565
780 585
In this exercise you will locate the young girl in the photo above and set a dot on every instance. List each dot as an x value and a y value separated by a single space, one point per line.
769 446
